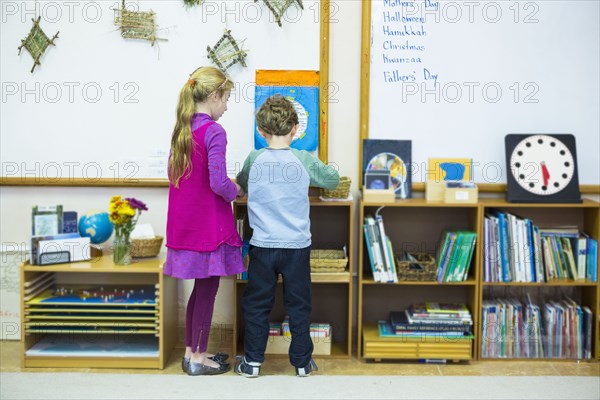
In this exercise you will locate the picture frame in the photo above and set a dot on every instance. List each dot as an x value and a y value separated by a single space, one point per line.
394 156
378 180
47 220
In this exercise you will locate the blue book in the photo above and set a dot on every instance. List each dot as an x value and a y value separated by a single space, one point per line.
503 236
592 259
70 222
531 248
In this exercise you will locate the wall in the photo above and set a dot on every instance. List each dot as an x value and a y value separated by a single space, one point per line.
121 94
16 202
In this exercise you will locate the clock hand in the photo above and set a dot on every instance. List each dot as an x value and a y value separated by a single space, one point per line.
545 173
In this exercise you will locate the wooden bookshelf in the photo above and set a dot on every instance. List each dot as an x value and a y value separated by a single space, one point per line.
586 216
159 336
414 225
332 227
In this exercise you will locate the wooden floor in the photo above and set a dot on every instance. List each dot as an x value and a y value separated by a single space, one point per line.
10 362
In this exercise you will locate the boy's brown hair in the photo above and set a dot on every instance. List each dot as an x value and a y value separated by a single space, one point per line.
276 116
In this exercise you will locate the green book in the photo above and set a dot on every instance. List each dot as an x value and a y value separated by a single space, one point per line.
453 258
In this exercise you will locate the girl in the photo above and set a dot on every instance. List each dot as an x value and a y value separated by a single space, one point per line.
202 240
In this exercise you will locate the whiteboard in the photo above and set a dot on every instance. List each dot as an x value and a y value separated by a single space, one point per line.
101 106
456 77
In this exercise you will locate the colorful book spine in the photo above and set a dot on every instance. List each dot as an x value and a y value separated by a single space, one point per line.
592 259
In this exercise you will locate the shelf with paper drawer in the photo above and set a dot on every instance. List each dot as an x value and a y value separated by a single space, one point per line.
95 314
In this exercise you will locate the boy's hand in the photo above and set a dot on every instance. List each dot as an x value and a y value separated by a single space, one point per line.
240 191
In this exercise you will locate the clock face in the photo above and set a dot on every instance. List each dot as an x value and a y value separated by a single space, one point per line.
542 165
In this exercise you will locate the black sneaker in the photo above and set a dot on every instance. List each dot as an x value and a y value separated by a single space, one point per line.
245 368
308 369
220 357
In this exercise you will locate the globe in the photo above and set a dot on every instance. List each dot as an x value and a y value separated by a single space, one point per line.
95 225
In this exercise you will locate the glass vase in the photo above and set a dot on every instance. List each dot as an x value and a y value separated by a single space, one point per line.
122 250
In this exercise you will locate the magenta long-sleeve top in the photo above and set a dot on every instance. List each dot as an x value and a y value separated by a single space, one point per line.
202 238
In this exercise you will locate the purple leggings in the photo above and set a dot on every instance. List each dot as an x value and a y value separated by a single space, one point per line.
199 313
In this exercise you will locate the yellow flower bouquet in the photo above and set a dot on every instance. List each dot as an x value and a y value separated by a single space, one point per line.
124 214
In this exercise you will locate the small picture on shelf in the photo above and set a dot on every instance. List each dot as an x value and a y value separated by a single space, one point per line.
47 220
378 180
391 155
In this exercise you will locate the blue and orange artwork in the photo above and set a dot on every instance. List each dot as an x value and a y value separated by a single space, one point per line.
301 87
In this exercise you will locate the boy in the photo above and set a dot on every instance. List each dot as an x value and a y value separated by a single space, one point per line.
277 179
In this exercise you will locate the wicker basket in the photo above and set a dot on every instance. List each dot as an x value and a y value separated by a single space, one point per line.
424 269
146 247
340 192
328 261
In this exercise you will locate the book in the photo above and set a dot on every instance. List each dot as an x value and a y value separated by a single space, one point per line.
417 313
392 155
569 257
445 254
453 256
447 308
581 253
370 253
381 274
387 330
386 251
588 318
504 245
464 256
592 259
70 222
400 322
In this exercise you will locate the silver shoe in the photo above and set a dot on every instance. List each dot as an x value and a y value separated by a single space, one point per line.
185 363
201 369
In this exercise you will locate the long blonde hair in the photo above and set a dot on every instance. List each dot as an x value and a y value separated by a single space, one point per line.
203 82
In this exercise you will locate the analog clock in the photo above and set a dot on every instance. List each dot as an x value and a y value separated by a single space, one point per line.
542 169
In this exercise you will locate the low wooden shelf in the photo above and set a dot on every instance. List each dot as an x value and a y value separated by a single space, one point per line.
332 227
98 272
378 348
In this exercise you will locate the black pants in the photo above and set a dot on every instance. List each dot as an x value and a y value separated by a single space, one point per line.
259 298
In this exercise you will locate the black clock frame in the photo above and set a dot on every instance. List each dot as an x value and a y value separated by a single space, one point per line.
517 194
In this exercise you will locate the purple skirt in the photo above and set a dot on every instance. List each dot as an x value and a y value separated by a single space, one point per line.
189 264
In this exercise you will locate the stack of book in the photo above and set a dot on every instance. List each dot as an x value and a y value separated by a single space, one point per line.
454 255
512 329
283 329
280 337
516 250
274 329
430 319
